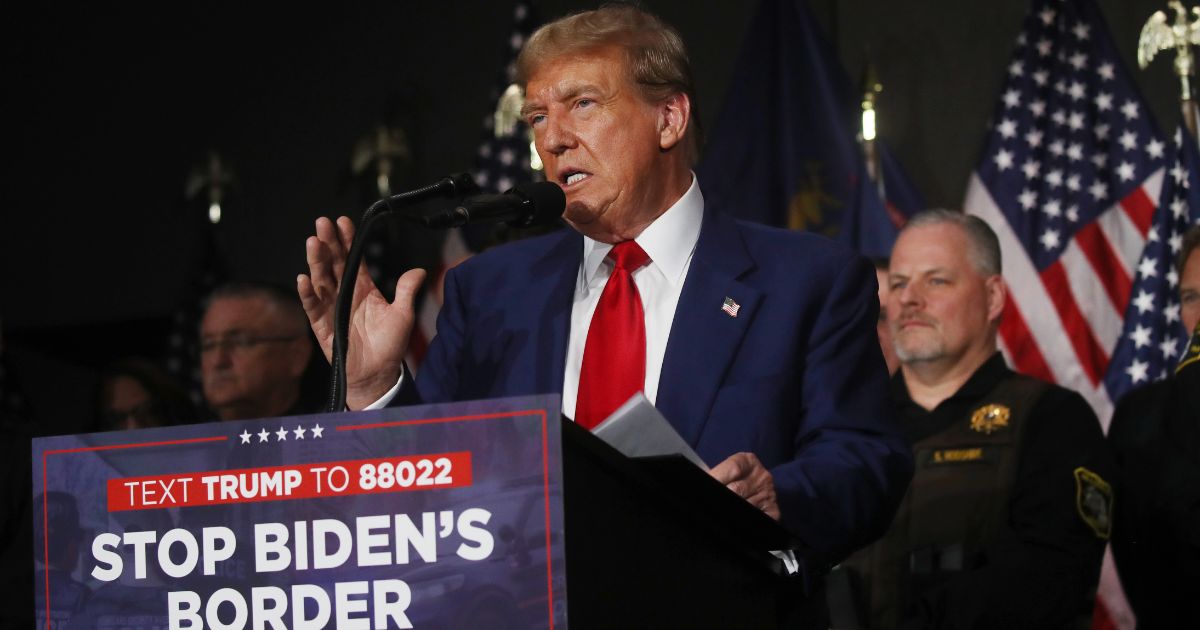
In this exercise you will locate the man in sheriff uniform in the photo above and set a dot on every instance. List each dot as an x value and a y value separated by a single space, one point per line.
1155 436
1007 516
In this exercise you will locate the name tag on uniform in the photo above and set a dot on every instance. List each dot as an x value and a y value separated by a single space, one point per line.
956 456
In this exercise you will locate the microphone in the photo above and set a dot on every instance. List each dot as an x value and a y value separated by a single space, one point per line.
524 205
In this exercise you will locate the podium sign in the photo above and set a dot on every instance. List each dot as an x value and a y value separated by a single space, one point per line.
434 516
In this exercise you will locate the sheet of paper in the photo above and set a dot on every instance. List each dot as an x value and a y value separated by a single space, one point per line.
637 429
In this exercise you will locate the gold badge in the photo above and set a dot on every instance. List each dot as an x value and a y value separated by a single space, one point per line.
990 418
1094 500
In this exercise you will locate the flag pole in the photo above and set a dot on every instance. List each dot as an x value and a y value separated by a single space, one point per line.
1159 36
871 89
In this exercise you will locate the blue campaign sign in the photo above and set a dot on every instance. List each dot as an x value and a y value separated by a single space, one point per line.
439 516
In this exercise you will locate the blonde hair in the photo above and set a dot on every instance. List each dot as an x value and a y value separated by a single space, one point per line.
656 60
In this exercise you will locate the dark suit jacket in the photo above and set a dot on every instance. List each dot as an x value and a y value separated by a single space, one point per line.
796 377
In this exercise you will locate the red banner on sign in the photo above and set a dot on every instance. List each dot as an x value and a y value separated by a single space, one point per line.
300 481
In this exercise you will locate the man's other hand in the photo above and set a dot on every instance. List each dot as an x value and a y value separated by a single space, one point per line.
745 475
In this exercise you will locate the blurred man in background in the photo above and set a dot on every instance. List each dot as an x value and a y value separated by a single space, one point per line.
254 352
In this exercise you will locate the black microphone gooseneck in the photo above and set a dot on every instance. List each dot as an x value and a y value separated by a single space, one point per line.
455 185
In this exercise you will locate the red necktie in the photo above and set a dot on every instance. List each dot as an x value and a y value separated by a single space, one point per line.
614 357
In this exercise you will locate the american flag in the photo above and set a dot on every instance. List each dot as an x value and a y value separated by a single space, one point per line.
1071 180
1154 336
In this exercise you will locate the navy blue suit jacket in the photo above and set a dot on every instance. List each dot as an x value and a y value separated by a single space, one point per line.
796 378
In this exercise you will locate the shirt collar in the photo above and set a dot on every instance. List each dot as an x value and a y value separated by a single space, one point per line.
669 240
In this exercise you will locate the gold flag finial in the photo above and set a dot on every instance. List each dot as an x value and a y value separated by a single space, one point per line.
1158 36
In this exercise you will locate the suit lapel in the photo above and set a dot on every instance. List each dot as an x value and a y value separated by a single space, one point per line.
544 309
704 337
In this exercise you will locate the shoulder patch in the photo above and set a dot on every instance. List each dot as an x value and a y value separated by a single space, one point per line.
990 418
1094 500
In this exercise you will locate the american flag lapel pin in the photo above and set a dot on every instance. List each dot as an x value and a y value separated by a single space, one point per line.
731 307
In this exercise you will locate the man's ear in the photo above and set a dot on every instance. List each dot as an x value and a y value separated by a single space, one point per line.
674 116
997 294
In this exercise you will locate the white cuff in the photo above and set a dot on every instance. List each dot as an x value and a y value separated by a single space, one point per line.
387 398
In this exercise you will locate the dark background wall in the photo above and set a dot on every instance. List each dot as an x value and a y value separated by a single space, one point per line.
108 109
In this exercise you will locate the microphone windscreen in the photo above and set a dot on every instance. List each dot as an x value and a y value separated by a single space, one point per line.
548 201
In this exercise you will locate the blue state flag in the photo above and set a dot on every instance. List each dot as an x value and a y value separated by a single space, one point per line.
783 151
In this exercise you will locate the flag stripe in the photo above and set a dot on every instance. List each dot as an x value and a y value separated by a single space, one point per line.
1140 209
1027 291
1104 268
1024 353
1089 288
1090 355
1120 232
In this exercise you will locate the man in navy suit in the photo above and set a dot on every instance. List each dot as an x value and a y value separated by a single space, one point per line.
758 344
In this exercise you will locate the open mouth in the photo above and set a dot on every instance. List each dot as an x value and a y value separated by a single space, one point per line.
572 177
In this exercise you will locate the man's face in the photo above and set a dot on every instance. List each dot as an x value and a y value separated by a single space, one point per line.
1189 291
939 306
601 141
881 328
250 352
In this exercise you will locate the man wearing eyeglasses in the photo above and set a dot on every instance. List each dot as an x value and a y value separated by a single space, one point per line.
254 350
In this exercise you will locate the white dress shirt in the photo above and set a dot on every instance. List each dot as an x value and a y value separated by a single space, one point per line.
670 242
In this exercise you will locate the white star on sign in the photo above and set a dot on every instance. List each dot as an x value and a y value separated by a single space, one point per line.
1144 302
1176 242
1148 267
1047 15
1073 182
1050 239
1140 336
1078 60
245 435
1016 69
1007 128
1075 121
281 435
1038 108
1152 235
1106 72
1100 159
1075 152
1098 190
1125 170
1177 173
298 432
263 435
1137 371
318 430
1104 101
1073 214
1041 77
1081 30
1054 178
1168 348
1056 147
1012 98
1044 47
1052 209
1101 132
1031 168
1172 278
1034 138
1004 159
